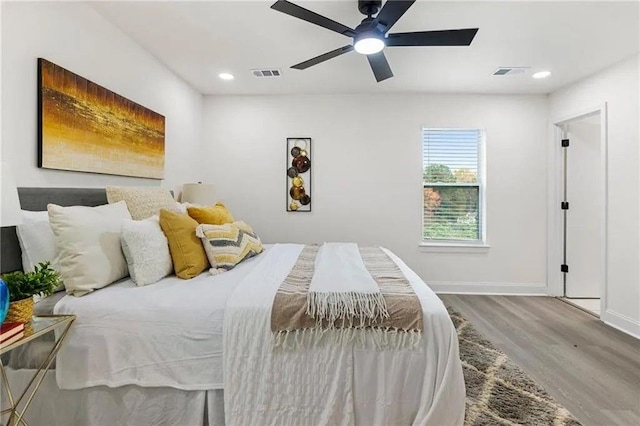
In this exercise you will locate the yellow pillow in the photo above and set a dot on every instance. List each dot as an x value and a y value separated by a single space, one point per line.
187 253
213 215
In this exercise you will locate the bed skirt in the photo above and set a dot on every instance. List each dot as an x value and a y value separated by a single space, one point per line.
122 406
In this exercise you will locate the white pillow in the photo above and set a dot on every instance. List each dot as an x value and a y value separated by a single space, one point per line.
146 250
88 245
29 216
37 241
142 202
182 207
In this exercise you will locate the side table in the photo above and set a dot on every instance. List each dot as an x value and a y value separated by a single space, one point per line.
36 327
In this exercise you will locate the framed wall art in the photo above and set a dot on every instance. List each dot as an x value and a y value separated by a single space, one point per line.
299 174
84 127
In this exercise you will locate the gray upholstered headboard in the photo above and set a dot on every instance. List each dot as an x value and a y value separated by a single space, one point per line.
36 199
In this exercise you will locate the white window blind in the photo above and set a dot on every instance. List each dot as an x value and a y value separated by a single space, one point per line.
452 183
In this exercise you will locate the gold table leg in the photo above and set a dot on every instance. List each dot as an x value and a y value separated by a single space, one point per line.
5 381
16 416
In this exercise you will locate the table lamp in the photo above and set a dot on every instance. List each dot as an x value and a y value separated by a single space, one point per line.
200 193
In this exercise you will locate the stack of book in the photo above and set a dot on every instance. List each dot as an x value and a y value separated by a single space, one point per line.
11 332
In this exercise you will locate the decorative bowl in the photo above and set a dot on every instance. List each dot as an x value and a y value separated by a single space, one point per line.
4 300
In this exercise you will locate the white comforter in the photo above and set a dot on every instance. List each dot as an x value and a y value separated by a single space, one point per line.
166 334
170 334
335 384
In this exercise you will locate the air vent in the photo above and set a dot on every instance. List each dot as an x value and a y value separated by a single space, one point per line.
267 73
511 70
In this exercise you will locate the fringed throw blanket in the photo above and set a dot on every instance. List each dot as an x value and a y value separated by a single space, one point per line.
349 291
341 287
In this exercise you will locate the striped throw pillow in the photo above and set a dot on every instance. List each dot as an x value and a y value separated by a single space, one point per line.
229 244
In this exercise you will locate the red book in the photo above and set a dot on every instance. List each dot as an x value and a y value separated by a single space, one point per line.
10 329
11 339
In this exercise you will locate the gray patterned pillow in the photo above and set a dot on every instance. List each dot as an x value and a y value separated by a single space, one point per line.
229 244
146 250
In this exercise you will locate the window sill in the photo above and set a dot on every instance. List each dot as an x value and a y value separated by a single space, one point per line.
453 247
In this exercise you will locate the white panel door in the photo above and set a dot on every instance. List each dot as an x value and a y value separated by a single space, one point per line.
584 218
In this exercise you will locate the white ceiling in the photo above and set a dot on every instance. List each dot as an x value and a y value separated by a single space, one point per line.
198 40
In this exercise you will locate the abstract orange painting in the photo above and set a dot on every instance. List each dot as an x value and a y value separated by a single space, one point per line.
84 127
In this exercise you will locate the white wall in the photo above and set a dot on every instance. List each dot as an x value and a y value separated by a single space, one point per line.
76 37
618 86
367 176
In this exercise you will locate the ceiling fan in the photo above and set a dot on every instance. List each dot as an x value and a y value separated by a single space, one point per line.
371 36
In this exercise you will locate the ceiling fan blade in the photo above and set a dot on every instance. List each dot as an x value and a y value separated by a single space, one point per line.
433 38
380 66
392 11
306 15
324 57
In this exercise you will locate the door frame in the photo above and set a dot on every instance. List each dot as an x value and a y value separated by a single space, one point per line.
554 216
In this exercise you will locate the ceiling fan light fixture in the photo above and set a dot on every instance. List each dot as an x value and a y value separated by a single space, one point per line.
372 35
369 43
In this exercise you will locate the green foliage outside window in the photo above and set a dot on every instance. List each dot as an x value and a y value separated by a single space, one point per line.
450 211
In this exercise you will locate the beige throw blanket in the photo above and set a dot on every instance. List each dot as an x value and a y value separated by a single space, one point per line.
342 287
293 326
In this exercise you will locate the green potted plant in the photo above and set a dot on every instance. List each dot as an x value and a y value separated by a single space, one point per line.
24 285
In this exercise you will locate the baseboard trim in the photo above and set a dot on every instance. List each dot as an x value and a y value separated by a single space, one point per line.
621 322
497 289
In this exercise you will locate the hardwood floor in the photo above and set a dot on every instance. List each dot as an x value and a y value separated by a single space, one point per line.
589 367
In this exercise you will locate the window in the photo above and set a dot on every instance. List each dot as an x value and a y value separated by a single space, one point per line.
452 161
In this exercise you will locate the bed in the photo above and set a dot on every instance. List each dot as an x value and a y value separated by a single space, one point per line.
154 355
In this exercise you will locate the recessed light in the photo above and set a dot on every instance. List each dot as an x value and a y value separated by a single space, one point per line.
542 74
225 76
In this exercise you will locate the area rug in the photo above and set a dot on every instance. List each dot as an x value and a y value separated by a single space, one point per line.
498 391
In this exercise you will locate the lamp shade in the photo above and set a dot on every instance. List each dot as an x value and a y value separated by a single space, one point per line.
10 214
199 193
